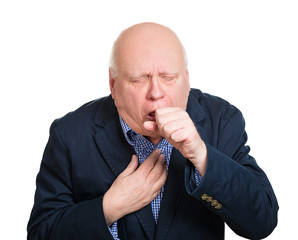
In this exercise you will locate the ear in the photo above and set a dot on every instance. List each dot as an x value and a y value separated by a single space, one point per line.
112 82
187 78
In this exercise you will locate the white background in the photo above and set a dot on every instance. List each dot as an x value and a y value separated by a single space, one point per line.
54 57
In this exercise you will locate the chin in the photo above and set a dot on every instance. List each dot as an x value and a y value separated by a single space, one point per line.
153 137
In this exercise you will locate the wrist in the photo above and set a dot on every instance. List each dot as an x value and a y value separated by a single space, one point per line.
200 159
109 211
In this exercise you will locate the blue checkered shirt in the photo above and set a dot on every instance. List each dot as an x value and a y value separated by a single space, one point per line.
143 149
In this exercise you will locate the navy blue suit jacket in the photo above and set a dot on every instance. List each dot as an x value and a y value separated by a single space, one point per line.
87 150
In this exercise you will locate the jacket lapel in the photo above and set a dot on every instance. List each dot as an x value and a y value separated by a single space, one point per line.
146 219
113 146
117 152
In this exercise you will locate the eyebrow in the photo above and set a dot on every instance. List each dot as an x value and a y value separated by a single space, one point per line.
176 74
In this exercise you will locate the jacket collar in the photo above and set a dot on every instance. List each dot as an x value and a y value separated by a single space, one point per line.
196 113
105 111
194 109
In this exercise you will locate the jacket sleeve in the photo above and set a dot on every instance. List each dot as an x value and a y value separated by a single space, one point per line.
234 186
55 213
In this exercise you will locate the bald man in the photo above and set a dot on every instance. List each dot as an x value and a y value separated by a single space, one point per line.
154 160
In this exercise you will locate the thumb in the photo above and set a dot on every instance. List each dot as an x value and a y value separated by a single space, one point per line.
150 126
132 166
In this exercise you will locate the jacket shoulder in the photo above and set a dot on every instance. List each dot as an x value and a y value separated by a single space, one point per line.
211 103
80 119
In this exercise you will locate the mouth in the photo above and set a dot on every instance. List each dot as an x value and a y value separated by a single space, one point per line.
151 116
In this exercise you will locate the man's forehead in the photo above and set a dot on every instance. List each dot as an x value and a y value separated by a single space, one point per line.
134 69
147 58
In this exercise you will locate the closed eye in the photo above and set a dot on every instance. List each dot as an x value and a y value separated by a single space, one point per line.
168 77
139 79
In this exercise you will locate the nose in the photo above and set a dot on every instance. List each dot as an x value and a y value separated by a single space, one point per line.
155 90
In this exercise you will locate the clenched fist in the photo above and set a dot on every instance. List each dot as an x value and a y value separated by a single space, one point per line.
176 126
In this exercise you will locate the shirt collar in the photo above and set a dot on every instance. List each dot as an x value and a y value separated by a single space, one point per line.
130 134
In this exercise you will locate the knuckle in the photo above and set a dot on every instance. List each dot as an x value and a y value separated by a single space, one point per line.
166 128
185 114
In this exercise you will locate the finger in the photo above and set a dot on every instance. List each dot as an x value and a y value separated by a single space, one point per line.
149 163
164 115
165 110
150 126
181 135
132 166
157 170
164 119
155 194
168 129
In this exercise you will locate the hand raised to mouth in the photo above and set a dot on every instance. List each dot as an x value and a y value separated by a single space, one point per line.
176 126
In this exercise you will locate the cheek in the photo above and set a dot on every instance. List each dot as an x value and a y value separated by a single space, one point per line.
129 102
121 95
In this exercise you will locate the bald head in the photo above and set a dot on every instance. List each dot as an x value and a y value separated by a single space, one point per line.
145 40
